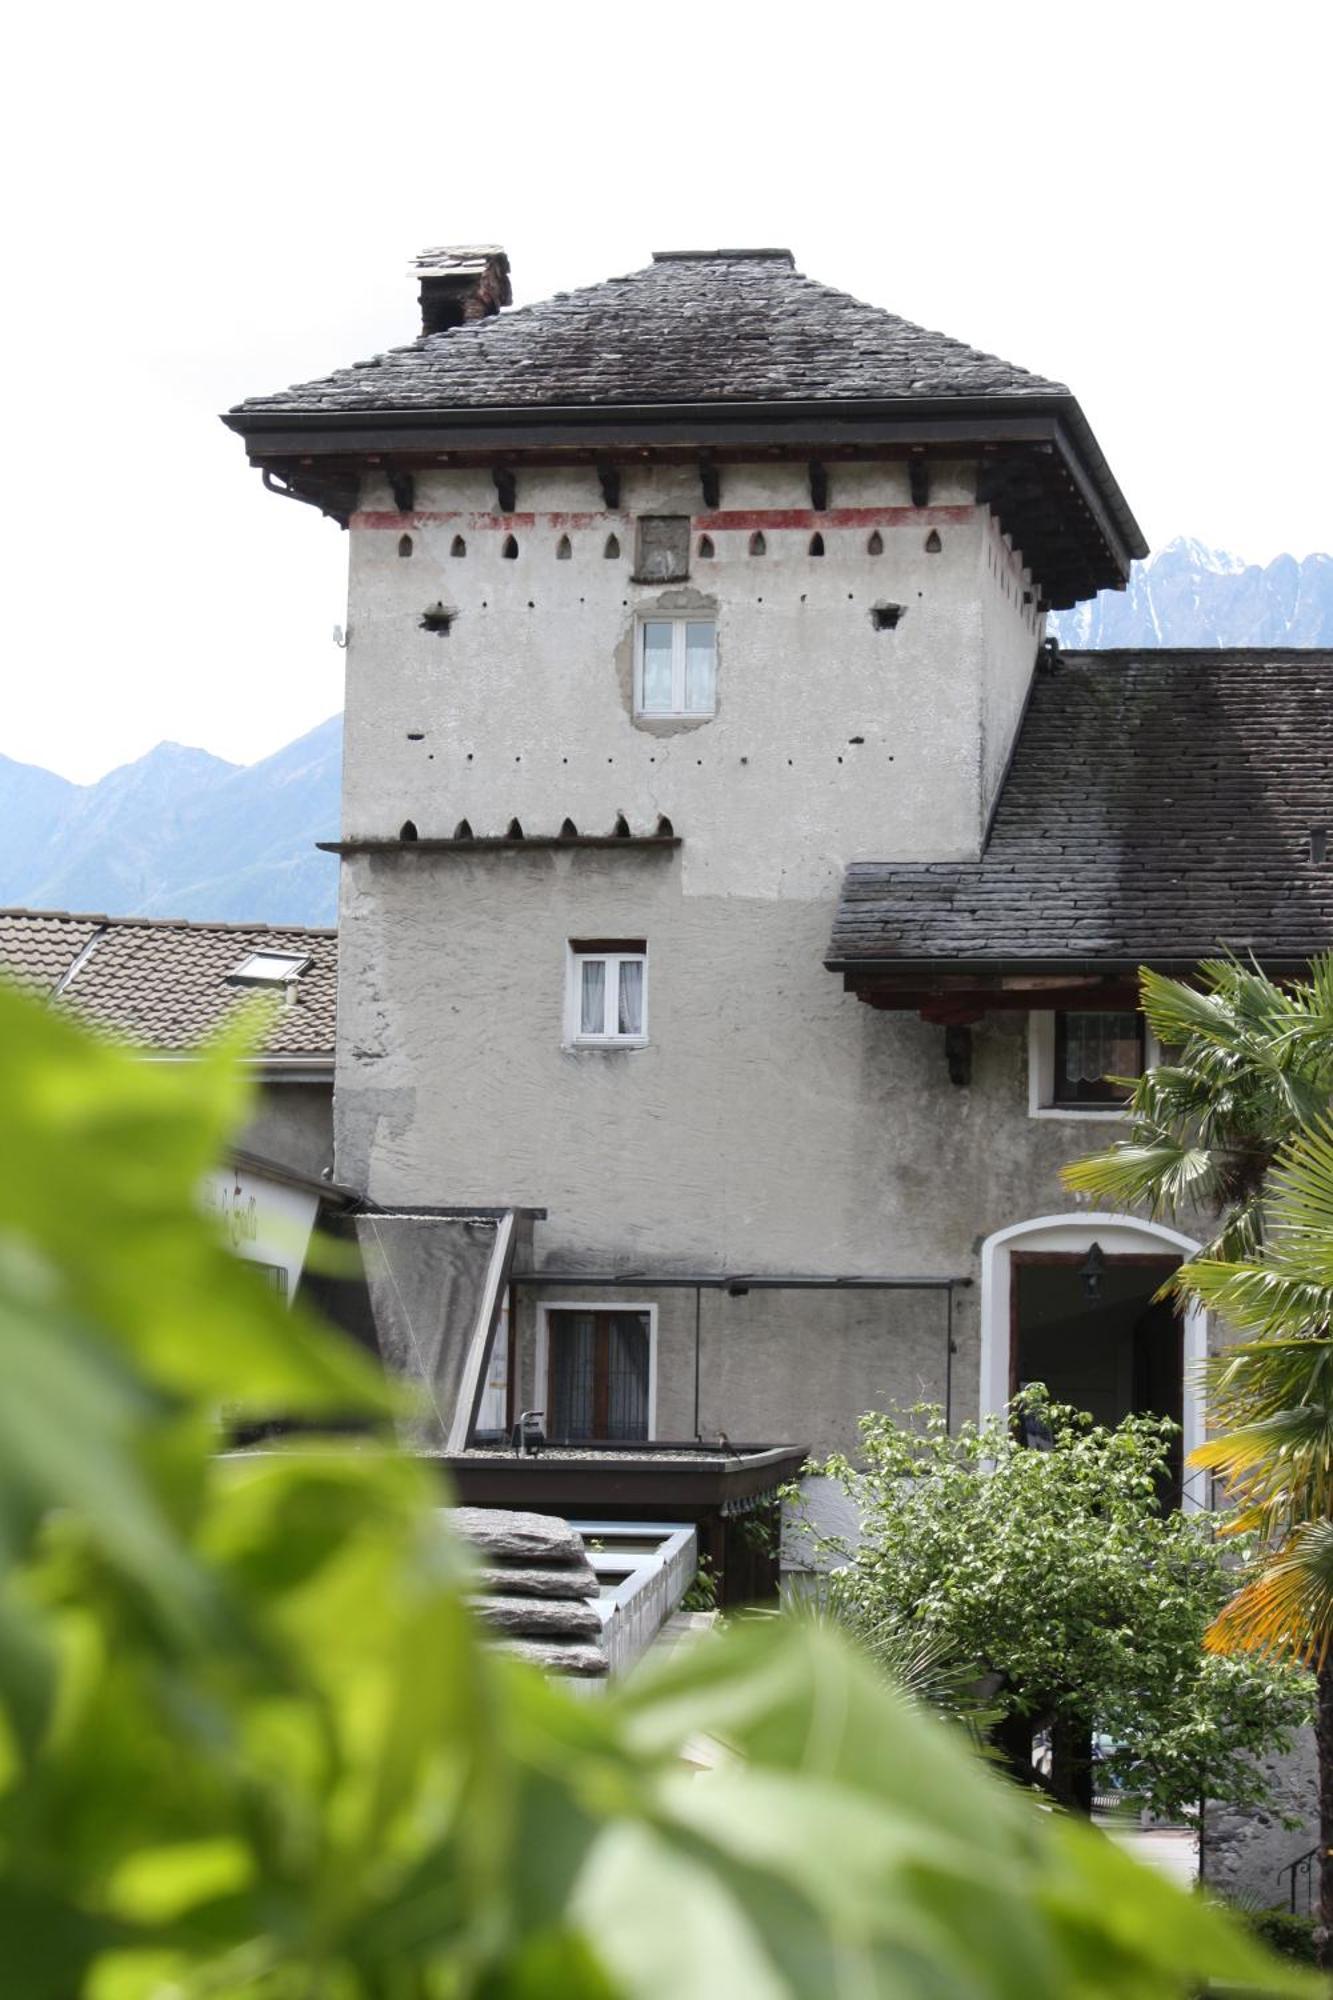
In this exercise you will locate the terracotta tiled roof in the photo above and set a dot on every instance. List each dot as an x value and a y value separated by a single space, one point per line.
693 327
1158 805
38 948
163 984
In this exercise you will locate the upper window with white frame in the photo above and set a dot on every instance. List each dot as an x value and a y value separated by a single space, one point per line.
675 668
606 994
1084 1063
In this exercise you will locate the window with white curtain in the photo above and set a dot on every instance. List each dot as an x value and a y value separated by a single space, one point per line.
606 994
675 671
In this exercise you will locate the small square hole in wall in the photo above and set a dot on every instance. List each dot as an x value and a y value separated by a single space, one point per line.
884 617
662 551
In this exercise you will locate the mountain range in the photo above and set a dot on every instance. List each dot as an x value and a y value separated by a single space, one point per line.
181 833
1187 595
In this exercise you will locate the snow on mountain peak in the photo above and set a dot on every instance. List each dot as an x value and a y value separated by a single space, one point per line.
1216 562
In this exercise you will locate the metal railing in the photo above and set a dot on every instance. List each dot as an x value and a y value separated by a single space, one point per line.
1301 1867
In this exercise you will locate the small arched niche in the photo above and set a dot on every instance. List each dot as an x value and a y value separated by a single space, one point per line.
513 831
463 831
404 545
758 546
408 830
706 549
816 544
568 830
664 829
612 548
621 827
458 547
933 543
875 545
510 549
564 549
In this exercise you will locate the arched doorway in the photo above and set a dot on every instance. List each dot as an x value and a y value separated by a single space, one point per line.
1128 1355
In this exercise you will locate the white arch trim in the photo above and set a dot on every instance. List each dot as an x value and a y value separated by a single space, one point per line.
1122 1234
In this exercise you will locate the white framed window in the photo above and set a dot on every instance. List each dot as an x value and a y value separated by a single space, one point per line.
606 993
675 666
1072 1056
596 1370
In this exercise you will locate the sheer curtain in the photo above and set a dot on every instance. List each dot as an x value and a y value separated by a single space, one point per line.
627 1377
631 997
592 1007
573 1371
700 657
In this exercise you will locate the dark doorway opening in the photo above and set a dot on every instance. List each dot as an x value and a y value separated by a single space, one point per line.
1095 1334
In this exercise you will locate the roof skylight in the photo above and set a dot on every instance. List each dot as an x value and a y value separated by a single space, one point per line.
269 968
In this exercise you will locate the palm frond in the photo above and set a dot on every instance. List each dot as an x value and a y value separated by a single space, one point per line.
1287 1609
1259 1298
1162 1173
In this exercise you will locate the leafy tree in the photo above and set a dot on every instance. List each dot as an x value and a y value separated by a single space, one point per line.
251 1747
1057 1574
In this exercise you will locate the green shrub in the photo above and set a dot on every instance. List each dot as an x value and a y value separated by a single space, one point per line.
1292 1936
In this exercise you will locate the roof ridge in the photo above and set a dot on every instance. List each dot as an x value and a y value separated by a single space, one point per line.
1194 655
168 923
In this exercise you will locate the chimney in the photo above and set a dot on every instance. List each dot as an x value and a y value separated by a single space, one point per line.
461 282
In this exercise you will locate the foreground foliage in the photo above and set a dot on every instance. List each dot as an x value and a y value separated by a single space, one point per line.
250 1746
1057 1574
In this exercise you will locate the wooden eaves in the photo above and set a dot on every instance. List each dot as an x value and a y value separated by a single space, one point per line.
953 993
1039 465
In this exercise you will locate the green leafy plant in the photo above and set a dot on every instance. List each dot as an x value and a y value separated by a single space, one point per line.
702 1592
1057 1575
1239 1122
1284 1931
252 1748
1251 1065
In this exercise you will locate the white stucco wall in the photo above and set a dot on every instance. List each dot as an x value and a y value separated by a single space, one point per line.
831 739
772 1122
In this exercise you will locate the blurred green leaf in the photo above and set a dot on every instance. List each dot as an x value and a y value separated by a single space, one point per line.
253 1748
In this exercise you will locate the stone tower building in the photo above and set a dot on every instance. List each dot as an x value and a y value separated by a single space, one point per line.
732 882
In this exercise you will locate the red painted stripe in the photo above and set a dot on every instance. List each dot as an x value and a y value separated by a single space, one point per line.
739 519
834 517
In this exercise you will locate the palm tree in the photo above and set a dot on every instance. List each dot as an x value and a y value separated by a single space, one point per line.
1251 1064
1238 1123
1272 1400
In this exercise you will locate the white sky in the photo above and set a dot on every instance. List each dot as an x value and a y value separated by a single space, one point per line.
209 202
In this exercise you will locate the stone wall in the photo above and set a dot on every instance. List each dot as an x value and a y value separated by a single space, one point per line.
1245 1851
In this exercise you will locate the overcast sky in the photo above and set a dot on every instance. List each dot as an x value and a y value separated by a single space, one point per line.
209 202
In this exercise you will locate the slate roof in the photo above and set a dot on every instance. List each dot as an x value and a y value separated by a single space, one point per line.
692 327
162 983
1158 805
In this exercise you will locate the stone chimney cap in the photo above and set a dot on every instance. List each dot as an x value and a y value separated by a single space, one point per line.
446 258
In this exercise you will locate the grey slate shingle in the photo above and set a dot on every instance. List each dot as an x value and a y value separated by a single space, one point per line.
162 983
1158 805
704 328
